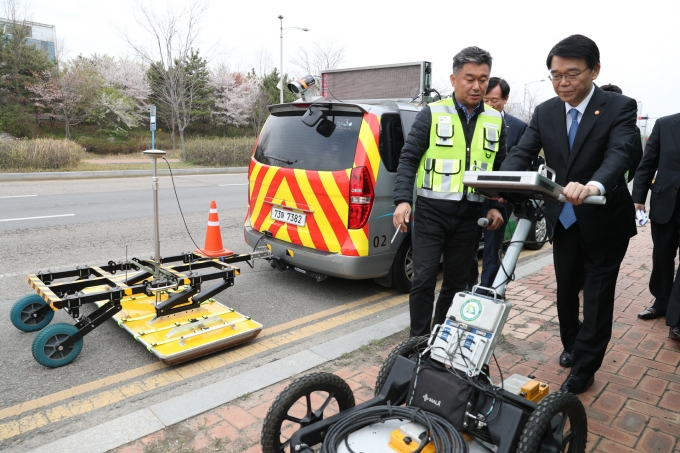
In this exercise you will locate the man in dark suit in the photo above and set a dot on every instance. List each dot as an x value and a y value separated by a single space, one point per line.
662 153
497 95
637 157
587 136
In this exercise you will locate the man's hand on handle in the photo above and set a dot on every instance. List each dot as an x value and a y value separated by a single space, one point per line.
576 192
640 207
401 217
495 219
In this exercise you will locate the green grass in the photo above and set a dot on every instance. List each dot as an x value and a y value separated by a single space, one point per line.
40 154
86 166
43 155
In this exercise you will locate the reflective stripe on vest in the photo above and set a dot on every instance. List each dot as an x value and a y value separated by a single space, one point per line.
440 173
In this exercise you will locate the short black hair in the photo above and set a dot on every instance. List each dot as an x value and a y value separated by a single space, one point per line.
471 55
576 46
611 87
505 87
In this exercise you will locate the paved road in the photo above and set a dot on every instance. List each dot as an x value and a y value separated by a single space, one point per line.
60 224
78 202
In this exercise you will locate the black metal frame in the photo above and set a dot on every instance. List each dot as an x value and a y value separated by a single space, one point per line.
70 299
504 427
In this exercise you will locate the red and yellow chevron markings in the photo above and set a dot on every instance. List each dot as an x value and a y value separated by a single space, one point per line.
322 195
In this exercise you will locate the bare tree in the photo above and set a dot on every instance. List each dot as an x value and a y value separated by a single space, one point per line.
175 37
262 62
68 95
233 94
60 50
443 87
122 101
319 57
522 104
258 107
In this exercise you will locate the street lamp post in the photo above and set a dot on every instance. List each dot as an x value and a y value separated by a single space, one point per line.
281 37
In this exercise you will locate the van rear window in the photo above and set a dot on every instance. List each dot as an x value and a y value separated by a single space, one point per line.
288 142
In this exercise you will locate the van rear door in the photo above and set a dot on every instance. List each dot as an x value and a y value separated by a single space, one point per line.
300 179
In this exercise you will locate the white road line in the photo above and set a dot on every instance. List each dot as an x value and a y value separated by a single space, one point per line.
18 196
222 185
40 217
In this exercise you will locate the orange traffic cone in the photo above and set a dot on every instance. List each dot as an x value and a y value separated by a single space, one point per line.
213 237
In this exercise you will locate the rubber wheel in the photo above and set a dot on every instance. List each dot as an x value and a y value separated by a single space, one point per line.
538 234
305 401
558 424
402 267
22 313
408 349
45 351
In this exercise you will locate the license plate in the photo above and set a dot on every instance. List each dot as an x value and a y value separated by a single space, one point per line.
287 216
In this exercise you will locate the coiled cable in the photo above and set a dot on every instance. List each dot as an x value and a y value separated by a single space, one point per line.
443 435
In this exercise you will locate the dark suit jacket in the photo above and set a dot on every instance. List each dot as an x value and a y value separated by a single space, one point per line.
662 152
603 151
637 157
514 128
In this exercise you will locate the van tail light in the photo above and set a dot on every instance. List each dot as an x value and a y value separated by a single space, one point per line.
361 198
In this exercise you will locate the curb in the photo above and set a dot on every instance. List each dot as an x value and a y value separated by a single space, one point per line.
133 426
43 176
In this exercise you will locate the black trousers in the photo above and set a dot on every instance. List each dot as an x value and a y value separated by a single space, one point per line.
664 284
435 234
666 238
493 243
574 261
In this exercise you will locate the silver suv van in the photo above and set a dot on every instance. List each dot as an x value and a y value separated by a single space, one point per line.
321 181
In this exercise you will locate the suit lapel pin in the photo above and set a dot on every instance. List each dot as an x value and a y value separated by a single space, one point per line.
597 112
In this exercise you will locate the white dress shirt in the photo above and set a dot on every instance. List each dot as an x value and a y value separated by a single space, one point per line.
581 109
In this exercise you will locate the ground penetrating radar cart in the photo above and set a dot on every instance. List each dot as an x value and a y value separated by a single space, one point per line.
166 303
435 393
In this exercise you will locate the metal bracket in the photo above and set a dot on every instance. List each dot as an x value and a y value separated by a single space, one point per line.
87 324
261 252
46 278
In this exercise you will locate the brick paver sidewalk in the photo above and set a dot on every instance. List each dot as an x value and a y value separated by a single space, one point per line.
632 407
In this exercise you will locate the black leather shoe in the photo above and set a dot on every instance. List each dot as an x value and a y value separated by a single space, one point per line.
566 358
651 313
577 383
674 333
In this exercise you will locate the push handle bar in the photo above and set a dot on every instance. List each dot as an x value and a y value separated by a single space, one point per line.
547 172
592 199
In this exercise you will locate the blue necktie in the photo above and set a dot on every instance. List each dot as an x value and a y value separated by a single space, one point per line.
567 215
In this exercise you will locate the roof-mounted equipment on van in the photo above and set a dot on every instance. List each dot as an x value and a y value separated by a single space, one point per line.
403 81
300 86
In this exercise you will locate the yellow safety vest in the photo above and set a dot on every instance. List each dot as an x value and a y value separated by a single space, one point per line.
440 173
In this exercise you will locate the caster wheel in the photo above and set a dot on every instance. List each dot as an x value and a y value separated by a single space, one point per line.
408 348
45 349
305 401
558 424
23 313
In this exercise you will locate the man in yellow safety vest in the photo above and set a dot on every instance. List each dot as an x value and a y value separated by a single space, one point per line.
447 138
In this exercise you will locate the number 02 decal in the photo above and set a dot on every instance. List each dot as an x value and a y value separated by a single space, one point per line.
379 241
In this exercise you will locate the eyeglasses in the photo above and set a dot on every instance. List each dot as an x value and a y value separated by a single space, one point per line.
570 77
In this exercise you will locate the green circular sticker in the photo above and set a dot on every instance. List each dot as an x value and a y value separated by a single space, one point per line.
471 310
